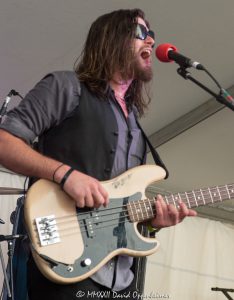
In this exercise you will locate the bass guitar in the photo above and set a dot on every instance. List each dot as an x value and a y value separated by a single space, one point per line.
70 244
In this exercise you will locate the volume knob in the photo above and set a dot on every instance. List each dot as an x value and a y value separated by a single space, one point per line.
86 262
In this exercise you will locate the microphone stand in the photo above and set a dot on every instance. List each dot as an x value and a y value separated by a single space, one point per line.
9 239
227 100
4 270
224 291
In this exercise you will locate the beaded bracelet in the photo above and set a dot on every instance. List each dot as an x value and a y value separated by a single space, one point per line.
56 171
65 177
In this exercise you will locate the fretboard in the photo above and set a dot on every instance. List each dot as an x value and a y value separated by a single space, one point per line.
143 210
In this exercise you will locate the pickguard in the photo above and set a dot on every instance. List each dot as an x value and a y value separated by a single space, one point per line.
104 231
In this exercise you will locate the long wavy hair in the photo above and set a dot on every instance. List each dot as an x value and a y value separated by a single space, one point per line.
108 49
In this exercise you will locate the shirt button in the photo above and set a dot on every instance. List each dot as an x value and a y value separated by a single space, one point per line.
111 265
107 169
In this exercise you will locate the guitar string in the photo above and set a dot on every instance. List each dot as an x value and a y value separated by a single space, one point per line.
171 199
136 213
139 219
84 226
87 231
81 222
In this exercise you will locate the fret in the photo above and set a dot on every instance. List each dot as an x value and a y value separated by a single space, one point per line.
203 199
175 198
194 197
227 191
131 212
210 194
207 196
146 209
166 199
231 190
199 197
224 193
179 199
184 198
150 207
186 195
135 216
215 196
219 193
139 211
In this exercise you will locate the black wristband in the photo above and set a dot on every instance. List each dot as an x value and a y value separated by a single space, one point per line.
65 177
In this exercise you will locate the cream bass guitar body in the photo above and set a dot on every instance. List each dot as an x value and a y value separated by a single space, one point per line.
70 244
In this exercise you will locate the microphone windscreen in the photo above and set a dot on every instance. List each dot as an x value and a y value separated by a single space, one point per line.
162 52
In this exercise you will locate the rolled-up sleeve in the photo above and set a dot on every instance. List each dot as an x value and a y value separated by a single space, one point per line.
45 106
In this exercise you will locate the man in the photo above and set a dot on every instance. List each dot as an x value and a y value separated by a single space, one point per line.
87 129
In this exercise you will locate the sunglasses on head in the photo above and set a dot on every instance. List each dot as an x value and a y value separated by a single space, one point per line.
142 32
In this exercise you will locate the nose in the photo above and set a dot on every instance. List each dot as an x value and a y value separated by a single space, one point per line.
150 41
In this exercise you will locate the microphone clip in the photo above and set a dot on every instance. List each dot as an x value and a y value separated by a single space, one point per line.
182 71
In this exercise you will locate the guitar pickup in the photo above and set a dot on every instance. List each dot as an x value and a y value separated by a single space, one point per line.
89 227
47 230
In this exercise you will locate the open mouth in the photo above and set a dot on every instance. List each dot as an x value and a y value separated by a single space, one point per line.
146 53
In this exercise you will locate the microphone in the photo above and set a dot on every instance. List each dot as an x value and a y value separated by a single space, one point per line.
3 109
5 104
168 53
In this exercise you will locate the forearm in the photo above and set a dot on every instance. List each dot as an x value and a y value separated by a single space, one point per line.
19 157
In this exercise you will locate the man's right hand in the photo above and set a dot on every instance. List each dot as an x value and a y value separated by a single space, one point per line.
84 189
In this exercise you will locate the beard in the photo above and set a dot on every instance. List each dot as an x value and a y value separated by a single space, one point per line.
137 69
143 73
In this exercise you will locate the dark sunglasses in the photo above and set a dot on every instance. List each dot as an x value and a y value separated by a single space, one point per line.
142 32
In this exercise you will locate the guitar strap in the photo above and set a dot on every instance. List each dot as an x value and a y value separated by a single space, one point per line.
156 157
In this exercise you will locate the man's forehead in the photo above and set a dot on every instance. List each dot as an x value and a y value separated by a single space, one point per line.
141 21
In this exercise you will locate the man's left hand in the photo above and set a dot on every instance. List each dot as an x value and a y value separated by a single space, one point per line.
168 215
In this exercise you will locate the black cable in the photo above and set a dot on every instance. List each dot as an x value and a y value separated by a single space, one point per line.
212 77
14 93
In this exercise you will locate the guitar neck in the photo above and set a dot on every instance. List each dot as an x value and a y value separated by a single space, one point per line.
143 210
